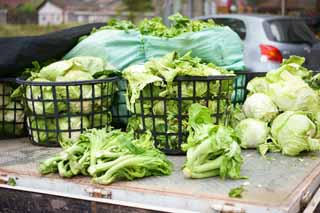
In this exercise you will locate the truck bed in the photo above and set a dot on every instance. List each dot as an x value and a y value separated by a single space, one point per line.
284 184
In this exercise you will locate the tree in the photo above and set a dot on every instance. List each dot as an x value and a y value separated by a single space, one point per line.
134 7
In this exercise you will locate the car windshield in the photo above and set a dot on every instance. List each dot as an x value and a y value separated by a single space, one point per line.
235 24
290 31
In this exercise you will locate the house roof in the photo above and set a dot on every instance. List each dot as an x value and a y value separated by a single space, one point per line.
86 5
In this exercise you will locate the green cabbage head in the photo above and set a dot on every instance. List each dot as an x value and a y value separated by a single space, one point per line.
295 132
260 106
252 132
291 93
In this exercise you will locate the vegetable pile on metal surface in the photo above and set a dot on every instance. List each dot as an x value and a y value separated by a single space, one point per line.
282 111
212 150
60 106
163 105
109 156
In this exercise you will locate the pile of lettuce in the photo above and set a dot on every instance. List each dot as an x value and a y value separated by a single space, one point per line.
281 113
92 111
212 150
156 78
108 156
11 112
155 26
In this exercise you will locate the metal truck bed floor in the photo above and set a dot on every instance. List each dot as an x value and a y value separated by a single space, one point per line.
284 184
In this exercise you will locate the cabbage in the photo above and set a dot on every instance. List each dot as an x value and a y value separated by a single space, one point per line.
66 136
138 78
252 132
11 115
54 70
295 132
291 93
260 106
42 136
38 106
75 91
258 85
100 120
292 65
12 119
287 87
90 64
159 77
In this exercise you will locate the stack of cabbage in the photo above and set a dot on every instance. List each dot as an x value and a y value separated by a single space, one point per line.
158 112
282 111
51 118
11 112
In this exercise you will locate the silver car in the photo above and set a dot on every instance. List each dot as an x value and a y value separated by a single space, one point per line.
268 39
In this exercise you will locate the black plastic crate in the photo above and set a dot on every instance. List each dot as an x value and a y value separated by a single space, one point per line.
12 118
59 111
169 126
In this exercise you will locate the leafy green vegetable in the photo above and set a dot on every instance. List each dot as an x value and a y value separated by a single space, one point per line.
236 115
290 93
46 129
252 132
314 82
77 101
292 133
237 192
11 112
287 87
108 157
42 93
11 182
211 150
156 78
260 106
293 93
178 24
76 124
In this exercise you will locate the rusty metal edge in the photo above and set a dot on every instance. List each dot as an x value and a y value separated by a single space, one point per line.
288 205
99 200
294 198
124 186
313 204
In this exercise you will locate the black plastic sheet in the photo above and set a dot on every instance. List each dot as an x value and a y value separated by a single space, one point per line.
17 53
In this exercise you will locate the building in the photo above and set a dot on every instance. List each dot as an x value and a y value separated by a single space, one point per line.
53 12
3 16
50 14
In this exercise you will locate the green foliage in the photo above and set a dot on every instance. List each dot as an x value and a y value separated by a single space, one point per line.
155 26
109 156
237 192
287 100
212 150
157 77
86 99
